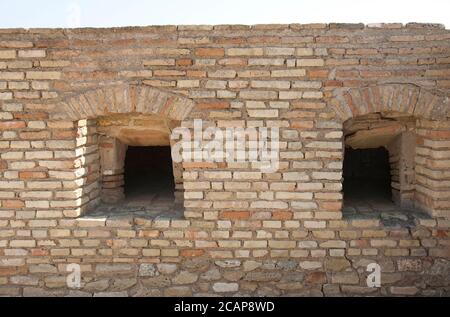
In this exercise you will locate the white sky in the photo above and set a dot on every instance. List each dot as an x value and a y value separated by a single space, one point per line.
107 13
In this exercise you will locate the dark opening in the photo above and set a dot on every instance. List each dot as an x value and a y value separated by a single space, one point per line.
149 173
367 175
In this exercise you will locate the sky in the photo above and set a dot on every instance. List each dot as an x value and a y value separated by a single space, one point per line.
109 13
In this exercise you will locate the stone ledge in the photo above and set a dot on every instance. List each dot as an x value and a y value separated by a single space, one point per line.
66 32
401 218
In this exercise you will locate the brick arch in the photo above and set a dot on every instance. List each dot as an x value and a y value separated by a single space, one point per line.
123 98
406 98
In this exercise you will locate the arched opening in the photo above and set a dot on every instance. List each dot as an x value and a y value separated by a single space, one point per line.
148 175
379 166
109 120
138 174
367 175
424 186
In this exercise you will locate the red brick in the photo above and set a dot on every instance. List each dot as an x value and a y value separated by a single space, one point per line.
210 52
41 135
196 73
39 252
64 134
264 39
229 40
360 243
184 62
148 233
235 214
195 165
346 73
7 271
374 73
11 125
302 124
318 73
32 175
438 134
333 83
193 234
440 233
332 39
106 145
13 203
31 115
330 205
189 253
122 42
282 215
316 278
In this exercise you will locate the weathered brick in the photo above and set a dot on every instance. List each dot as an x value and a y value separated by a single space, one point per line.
32 53
7 54
210 52
43 75
244 51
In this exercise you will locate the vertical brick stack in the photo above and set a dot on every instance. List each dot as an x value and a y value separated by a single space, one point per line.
245 231
432 171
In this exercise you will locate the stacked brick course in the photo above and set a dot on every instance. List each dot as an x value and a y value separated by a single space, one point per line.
245 231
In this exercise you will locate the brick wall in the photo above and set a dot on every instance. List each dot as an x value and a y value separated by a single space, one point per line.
245 231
